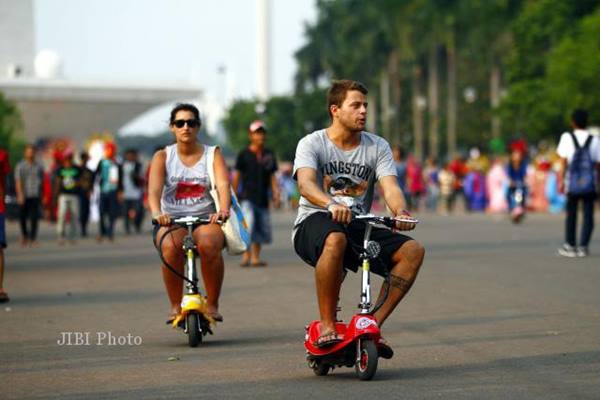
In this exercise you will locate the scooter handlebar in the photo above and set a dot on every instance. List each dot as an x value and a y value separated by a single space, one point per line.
189 220
390 222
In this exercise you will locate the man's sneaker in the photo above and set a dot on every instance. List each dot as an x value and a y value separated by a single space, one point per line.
566 250
582 252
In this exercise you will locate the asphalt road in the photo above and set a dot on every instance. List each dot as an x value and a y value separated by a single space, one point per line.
495 313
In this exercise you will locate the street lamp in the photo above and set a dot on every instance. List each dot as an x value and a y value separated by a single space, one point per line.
421 103
260 108
470 94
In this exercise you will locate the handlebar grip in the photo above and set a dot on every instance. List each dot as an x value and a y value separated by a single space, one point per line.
410 220
155 221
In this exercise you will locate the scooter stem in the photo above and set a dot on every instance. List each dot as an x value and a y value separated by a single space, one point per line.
365 296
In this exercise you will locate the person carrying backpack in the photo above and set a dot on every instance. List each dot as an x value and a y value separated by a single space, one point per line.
580 153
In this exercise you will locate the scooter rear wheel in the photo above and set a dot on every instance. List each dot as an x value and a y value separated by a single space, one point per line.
193 329
366 363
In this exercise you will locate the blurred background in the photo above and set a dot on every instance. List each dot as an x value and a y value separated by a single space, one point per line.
443 75
449 81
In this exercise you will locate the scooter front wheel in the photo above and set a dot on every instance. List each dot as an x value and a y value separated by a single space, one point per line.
366 361
319 368
193 329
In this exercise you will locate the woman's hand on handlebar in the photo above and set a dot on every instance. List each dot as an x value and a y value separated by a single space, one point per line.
221 216
405 225
163 219
340 213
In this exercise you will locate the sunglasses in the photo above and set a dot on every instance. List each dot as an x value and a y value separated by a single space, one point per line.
191 123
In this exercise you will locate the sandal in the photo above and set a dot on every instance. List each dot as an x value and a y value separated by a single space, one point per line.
4 297
259 264
173 317
216 316
384 349
327 339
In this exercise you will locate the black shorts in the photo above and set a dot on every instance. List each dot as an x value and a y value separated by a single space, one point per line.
312 232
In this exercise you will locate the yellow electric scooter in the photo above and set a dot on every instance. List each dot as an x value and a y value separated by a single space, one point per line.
194 317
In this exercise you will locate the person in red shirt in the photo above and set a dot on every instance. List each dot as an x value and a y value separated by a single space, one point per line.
459 168
4 170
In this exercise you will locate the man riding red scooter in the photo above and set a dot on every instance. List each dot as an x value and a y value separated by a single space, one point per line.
336 169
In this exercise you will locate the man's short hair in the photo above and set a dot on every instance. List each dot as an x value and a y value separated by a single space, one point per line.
580 118
338 90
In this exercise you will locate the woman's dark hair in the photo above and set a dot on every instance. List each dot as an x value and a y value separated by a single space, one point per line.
184 107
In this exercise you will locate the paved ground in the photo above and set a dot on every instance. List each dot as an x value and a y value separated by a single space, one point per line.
494 314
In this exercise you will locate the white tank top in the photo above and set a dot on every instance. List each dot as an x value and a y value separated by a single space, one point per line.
187 189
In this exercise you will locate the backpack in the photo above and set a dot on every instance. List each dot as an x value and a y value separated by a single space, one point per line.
581 169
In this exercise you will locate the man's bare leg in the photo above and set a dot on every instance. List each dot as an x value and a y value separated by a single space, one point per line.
328 277
407 261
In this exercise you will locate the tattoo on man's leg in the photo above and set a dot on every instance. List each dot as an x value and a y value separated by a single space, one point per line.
400 283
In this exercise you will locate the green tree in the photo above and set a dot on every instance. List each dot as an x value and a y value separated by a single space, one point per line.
288 119
510 51
534 106
11 130
236 122
573 70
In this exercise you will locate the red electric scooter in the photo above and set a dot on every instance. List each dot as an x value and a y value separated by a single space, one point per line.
360 337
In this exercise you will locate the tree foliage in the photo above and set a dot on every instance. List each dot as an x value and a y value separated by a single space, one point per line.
288 119
545 53
11 129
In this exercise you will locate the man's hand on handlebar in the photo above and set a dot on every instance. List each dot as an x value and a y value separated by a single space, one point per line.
219 217
340 213
405 225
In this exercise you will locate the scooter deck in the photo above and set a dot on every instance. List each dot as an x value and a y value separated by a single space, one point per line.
359 326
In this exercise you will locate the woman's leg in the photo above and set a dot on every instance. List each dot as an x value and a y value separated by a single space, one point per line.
173 254
209 242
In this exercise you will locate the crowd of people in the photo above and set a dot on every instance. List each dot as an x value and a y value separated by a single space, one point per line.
336 170
66 192
482 182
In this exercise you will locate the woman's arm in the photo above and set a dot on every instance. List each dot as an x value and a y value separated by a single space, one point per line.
222 181
156 183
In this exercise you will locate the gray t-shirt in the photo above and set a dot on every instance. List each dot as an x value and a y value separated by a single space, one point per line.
348 176
31 177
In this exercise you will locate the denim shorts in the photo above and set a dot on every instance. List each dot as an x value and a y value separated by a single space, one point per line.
259 222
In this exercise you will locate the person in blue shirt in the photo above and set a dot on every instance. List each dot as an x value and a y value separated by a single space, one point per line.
517 173
110 176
